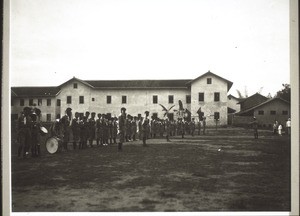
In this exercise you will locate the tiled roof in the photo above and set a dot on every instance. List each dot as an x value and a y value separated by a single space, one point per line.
261 104
138 83
35 91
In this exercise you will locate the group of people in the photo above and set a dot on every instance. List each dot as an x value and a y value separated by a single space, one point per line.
85 130
28 132
278 127
105 129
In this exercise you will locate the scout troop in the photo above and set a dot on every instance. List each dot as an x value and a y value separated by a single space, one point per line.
86 129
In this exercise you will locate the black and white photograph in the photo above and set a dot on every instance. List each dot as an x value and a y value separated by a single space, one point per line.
170 106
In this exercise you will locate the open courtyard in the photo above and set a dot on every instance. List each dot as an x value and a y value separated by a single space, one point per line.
224 170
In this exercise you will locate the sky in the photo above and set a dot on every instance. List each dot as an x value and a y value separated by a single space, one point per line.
244 41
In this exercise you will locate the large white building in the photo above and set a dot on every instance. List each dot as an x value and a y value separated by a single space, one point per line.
208 91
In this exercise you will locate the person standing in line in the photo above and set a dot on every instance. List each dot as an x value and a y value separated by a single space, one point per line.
105 130
92 128
288 126
140 130
114 129
192 126
24 134
167 128
204 124
75 130
145 127
35 134
122 128
66 120
134 128
110 129
98 130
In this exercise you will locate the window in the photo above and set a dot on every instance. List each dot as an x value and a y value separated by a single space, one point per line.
108 99
21 102
81 99
93 99
273 112
171 99
284 112
188 99
124 99
48 102
208 80
58 116
217 96
40 102
30 102
154 115
75 85
69 99
201 96
217 115
261 112
48 117
155 99
58 102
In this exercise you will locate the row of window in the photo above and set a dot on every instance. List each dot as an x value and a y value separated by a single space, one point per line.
124 99
272 112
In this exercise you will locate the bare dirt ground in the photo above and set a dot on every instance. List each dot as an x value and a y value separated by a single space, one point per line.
187 174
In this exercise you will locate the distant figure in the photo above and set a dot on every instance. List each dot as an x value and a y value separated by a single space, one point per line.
288 126
280 129
275 128
204 125
255 127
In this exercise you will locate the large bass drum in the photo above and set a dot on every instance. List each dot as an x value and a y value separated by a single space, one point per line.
53 144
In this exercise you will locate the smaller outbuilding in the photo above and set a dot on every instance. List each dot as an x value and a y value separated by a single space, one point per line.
267 112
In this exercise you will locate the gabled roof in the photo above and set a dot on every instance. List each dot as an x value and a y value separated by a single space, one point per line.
138 83
35 91
261 104
77 80
229 83
252 96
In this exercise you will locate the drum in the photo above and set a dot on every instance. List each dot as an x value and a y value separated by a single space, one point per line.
43 131
53 144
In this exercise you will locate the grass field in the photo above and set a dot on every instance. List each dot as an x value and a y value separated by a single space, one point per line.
182 175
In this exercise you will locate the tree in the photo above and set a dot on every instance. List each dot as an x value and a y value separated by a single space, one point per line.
285 92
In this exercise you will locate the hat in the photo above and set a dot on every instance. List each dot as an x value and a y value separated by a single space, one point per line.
68 109
146 112
123 108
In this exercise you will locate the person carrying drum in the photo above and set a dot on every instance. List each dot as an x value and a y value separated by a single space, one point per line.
92 128
65 121
75 130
